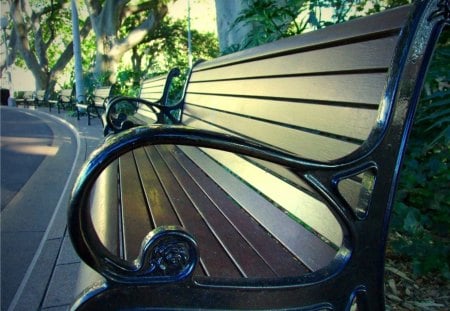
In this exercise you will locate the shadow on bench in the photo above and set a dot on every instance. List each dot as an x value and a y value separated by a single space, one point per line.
274 189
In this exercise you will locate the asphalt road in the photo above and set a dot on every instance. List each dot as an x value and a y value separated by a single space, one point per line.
37 155
24 138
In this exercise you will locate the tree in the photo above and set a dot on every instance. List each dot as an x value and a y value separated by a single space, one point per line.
43 38
108 17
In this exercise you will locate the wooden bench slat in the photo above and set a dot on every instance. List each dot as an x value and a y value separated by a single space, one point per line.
305 144
276 256
362 56
242 254
135 218
355 122
191 220
362 88
308 247
311 211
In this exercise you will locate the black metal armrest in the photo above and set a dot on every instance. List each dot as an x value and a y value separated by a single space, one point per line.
117 118
143 270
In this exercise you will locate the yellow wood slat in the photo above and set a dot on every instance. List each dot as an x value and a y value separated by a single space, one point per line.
365 55
304 144
348 88
344 121
309 210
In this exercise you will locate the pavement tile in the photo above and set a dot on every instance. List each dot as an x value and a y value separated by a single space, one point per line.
36 285
62 286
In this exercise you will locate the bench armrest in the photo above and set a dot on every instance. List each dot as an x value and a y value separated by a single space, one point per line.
86 241
119 112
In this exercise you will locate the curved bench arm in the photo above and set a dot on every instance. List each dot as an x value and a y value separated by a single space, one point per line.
118 121
171 240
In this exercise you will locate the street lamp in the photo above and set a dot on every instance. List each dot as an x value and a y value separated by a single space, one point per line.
4 26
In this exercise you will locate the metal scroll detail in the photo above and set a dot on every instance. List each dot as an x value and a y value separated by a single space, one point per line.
442 11
168 254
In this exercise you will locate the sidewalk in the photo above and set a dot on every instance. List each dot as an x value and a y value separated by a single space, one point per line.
51 280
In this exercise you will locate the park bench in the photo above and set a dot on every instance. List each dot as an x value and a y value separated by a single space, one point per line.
124 112
26 98
275 187
95 104
41 100
64 100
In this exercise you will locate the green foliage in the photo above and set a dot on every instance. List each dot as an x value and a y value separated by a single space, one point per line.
270 20
166 48
421 217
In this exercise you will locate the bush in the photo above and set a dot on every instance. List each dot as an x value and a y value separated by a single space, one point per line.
421 216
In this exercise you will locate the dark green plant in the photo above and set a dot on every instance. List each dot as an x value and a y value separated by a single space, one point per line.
421 217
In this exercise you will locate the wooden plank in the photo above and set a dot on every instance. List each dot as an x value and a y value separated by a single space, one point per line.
277 257
135 219
306 246
213 257
304 144
369 55
237 248
161 210
359 88
308 209
355 122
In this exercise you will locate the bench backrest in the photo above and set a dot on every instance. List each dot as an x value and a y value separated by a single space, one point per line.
317 95
66 95
40 95
101 95
156 89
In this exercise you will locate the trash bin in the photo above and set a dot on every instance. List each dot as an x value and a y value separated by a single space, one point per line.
4 97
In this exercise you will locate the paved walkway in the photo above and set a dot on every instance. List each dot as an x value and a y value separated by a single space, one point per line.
48 281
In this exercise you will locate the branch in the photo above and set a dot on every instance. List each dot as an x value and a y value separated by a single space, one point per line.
68 52
21 31
138 34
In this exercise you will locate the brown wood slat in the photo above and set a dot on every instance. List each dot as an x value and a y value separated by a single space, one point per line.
214 258
363 88
305 144
277 258
355 122
135 218
160 208
242 254
161 211
306 246
362 56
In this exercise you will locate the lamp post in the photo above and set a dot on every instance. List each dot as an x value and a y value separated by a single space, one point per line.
189 33
4 26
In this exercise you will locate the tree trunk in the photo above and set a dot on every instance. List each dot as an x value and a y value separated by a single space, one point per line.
107 20
226 14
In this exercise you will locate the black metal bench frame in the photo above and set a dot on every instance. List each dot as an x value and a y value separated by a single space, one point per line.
96 103
163 274
64 100
153 94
